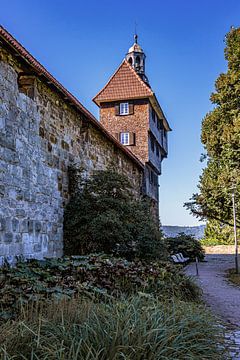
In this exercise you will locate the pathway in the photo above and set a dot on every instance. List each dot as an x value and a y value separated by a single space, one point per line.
220 295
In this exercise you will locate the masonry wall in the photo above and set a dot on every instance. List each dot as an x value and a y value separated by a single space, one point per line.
137 123
39 139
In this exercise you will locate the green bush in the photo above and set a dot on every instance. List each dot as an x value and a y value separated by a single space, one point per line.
185 244
103 215
134 328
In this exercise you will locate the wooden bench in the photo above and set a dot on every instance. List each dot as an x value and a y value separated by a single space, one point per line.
179 258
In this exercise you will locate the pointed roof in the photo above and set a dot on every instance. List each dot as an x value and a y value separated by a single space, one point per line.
124 84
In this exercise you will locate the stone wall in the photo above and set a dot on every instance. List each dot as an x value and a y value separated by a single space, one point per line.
219 249
40 136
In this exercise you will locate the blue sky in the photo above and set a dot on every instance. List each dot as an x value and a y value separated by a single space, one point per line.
82 43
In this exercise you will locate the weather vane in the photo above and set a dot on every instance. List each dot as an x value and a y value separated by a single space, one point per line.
135 33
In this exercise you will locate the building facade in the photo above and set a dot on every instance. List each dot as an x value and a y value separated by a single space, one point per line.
130 111
44 130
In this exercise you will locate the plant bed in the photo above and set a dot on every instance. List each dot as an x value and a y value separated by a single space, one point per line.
55 279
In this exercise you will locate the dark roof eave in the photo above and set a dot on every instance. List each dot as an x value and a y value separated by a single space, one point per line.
98 103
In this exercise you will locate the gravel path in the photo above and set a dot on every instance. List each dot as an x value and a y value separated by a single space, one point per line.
220 295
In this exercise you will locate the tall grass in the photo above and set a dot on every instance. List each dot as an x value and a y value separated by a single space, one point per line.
134 328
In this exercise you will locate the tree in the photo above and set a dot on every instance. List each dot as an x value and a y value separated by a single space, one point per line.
103 215
217 233
221 138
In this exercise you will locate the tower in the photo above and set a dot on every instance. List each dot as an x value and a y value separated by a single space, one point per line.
130 111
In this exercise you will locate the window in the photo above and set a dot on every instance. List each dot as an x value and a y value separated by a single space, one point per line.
137 63
124 109
150 176
153 115
152 143
160 124
153 178
124 138
157 150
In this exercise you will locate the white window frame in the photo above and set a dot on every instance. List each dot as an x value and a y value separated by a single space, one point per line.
125 138
124 108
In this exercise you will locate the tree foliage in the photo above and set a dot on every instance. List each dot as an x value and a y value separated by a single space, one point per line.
217 233
221 139
103 215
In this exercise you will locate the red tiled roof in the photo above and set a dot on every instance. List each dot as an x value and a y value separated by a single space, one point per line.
124 84
45 75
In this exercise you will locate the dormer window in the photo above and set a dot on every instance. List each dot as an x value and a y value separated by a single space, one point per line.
124 108
124 138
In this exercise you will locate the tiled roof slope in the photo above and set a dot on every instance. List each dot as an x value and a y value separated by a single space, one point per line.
41 72
124 84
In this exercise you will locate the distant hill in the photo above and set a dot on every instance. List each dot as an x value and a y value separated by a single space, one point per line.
173 231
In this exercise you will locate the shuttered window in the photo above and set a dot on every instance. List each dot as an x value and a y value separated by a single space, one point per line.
124 108
126 138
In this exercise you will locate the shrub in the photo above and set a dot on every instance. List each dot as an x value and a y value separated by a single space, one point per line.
185 244
135 328
103 215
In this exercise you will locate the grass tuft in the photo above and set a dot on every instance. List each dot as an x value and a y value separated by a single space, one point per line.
138 327
233 277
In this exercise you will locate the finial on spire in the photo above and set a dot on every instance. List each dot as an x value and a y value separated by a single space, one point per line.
135 34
